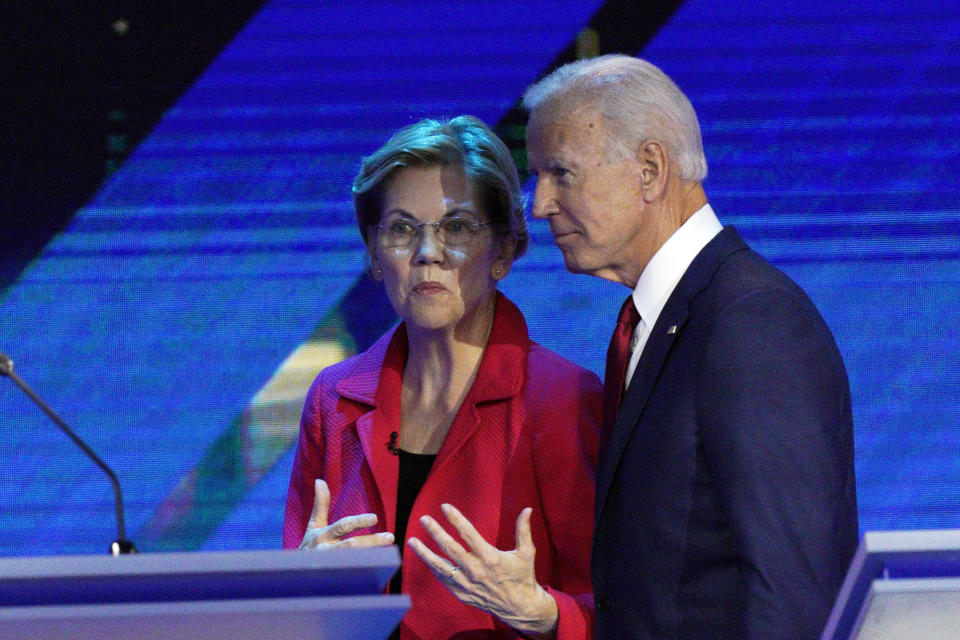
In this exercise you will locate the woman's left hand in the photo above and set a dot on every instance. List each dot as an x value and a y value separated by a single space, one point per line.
502 583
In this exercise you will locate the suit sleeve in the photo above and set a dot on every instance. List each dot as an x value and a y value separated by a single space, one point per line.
565 457
307 467
777 436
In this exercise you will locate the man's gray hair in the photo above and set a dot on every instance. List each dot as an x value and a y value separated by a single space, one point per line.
638 101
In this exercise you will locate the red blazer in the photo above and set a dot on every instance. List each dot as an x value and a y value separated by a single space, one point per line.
526 435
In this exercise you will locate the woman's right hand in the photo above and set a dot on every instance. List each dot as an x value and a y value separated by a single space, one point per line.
320 535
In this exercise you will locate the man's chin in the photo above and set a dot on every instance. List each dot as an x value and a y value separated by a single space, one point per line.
576 264
573 262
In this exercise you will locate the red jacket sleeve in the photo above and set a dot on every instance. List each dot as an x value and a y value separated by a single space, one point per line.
565 458
307 467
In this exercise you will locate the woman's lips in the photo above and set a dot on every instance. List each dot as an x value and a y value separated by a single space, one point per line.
429 288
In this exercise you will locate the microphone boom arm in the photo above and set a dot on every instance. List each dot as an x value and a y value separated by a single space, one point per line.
121 545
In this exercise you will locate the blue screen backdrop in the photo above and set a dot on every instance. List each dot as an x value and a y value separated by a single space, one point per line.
178 320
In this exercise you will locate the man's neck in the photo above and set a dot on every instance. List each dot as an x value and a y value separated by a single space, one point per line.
684 199
690 198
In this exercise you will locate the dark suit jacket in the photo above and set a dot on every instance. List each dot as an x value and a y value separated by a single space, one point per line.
726 505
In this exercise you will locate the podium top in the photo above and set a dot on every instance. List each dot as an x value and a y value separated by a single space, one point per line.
891 555
179 576
912 541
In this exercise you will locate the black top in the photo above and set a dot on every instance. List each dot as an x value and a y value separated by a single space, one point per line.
414 468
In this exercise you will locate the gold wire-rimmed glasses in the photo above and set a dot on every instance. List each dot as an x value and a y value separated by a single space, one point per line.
452 231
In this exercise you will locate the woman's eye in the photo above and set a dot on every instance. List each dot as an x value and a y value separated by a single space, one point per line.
401 227
455 226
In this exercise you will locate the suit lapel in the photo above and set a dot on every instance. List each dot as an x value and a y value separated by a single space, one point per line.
500 376
666 332
638 391
373 429
376 382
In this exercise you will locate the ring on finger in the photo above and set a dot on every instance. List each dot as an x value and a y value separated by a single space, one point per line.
452 571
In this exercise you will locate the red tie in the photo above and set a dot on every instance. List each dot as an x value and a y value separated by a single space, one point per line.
618 357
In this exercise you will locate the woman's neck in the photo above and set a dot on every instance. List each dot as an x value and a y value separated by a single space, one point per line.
444 359
441 367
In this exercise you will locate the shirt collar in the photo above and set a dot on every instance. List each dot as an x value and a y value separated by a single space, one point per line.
377 374
670 262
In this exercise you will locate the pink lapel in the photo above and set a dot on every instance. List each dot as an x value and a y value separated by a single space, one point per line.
377 378
376 381
500 376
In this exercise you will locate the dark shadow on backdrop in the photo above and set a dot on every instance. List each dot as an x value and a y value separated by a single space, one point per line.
84 83
88 81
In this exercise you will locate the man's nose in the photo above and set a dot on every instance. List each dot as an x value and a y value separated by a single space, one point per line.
544 199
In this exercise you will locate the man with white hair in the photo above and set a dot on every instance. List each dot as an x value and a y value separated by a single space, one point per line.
726 504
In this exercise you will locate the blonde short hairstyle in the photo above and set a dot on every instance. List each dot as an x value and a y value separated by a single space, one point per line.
464 141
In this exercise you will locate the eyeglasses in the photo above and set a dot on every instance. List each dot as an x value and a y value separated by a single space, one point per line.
402 233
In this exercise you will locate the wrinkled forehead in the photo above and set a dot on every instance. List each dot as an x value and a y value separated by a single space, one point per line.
439 178
429 190
564 129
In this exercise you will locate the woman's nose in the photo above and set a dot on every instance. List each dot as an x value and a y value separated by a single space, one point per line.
428 247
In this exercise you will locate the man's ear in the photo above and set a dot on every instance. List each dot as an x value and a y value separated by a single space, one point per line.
654 169
503 257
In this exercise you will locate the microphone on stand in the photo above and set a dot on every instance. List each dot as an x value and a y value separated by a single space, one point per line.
121 545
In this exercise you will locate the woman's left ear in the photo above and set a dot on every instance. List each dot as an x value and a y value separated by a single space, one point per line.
504 258
375 269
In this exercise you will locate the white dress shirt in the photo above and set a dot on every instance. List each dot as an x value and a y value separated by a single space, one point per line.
663 272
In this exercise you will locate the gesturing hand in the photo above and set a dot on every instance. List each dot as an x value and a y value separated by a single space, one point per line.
502 583
320 535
